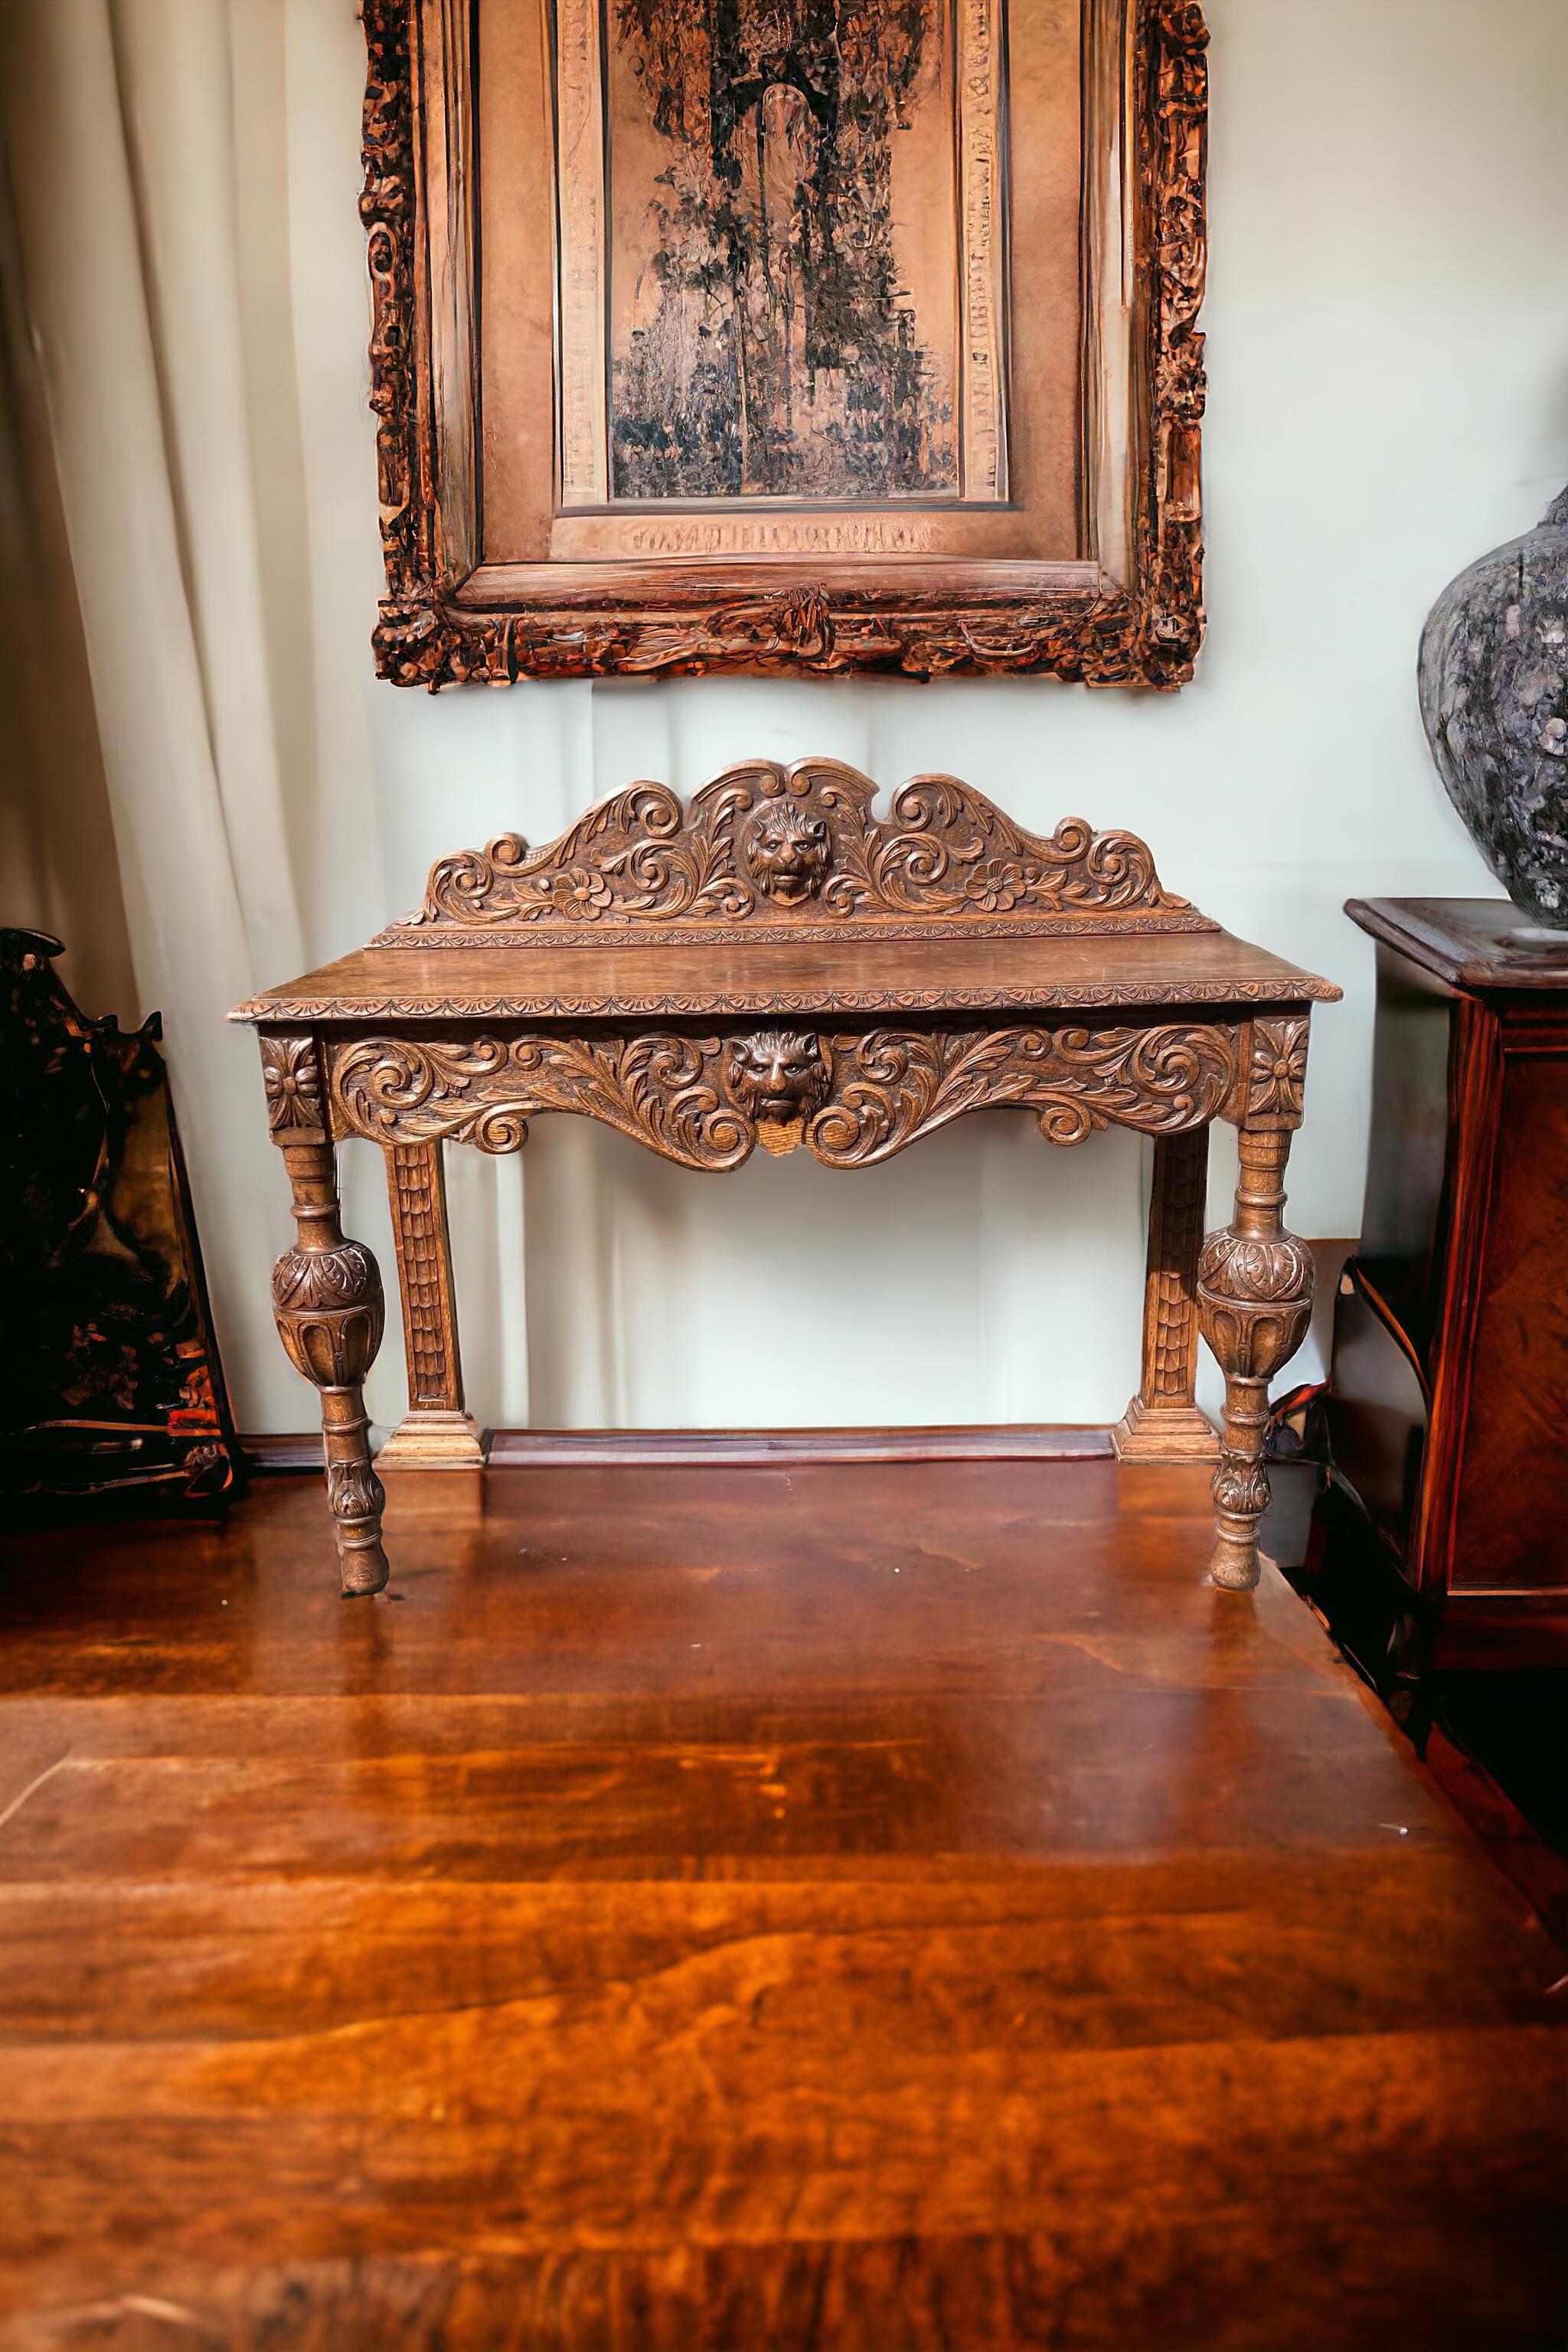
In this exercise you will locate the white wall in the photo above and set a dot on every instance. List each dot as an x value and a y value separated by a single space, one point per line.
1388 347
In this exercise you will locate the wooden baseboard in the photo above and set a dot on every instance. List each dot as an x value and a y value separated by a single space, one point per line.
294 1450
575 1449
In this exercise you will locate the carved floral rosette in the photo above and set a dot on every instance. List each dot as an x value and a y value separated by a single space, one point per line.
1276 1073
778 851
705 1101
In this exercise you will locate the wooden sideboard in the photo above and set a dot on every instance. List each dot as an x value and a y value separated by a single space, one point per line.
1450 1355
777 964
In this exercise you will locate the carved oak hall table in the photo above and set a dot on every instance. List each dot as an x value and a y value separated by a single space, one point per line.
777 964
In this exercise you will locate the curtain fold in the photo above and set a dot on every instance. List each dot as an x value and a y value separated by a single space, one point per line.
160 284
57 869
198 869
174 68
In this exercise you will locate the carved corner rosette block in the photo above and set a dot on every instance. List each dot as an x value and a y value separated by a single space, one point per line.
291 1080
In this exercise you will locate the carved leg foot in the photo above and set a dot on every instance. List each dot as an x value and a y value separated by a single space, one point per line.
1255 1300
327 1297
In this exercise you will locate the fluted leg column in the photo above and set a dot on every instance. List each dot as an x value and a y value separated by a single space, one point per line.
436 1433
1255 1300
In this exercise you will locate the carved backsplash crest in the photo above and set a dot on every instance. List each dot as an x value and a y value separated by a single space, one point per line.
780 852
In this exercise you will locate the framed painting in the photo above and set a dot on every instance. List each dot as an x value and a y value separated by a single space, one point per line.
821 336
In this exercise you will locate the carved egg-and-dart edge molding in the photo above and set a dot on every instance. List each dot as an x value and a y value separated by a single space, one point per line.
774 1004
705 1102
782 850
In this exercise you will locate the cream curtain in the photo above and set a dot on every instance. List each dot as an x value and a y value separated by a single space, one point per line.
57 869
150 320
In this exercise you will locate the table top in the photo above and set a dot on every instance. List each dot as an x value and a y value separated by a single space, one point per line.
783 892
628 977
1472 943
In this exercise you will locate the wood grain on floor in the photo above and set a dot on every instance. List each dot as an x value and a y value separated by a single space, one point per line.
857 1906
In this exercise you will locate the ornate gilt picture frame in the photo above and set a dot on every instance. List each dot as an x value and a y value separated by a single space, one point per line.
811 336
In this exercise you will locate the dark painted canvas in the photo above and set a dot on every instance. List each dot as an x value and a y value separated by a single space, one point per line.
784 236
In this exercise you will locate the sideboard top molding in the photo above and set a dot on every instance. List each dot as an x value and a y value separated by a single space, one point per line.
778 853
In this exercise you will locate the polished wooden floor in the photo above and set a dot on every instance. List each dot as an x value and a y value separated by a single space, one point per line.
868 1907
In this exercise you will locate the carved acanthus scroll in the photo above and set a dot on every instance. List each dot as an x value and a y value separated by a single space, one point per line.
706 1101
665 1091
892 1085
291 1078
785 850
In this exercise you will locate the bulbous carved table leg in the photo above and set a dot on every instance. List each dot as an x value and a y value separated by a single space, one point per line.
1255 1299
327 1297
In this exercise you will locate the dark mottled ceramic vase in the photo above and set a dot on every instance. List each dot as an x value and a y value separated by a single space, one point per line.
1494 695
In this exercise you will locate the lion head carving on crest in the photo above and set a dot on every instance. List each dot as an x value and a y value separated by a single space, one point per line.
778 1077
787 851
